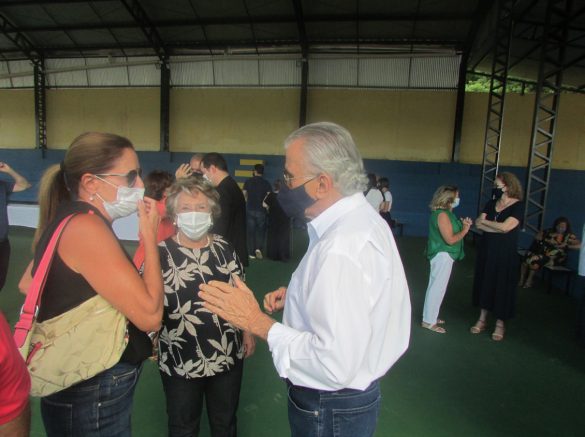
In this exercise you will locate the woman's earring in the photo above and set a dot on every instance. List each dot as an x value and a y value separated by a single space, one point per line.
91 198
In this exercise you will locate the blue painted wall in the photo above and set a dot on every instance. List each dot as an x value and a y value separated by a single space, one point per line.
412 183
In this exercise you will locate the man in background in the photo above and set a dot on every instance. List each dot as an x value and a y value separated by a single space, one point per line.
231 223
194 167
255 191
19 183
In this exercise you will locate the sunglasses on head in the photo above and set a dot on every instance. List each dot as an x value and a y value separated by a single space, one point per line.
131 176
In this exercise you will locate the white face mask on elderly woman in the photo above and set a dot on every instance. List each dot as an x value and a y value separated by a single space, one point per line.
194 224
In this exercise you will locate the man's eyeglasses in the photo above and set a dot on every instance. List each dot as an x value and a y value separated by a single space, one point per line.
131 176
288 178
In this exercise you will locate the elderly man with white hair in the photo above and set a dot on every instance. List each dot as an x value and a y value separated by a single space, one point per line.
346 309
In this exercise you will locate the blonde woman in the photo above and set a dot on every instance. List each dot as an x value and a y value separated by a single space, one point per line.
445 245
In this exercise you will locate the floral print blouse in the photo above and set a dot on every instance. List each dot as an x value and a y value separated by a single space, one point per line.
194 342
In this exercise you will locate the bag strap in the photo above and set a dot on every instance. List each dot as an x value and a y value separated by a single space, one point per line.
30 309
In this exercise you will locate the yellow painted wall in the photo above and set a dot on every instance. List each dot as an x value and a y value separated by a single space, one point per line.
569 149
232 120
17 115
133 113
402 125
398 125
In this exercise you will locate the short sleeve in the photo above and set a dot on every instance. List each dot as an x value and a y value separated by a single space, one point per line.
517 211
489 207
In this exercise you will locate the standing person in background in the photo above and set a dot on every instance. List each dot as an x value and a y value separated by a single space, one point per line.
14 387
346 309
98 182
386 205
255 190
194 167
445 245
20 184
497 266
278 239
373 194
155 186
231 225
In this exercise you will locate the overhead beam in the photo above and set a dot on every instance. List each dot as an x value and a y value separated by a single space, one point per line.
143 21
243 20
20 41
248 43
10 3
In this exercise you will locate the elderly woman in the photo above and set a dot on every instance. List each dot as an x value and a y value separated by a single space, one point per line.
200 355
445 245
497 263
549 248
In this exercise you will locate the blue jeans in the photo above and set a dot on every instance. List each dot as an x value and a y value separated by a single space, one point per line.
342 413
99 406
256 227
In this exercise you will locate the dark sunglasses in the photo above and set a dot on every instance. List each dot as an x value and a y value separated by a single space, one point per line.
131 176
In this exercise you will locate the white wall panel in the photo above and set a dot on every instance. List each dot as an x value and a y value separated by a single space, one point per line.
4 83
75 78
286 72
439 72
435 72
333 72
20 67
385 72
112 76
144 75
236 72
192 73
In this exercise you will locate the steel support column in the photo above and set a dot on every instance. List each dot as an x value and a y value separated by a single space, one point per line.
304 61
165 102
304 91
544 122
40 104
496 100
460 106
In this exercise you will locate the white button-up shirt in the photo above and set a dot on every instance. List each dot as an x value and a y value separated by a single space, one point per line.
347 309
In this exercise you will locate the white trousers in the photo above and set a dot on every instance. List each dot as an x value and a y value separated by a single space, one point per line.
441 266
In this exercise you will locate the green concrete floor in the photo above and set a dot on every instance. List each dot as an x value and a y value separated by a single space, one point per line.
457 384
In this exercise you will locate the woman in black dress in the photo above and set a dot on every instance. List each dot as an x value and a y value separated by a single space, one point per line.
278 241
497 265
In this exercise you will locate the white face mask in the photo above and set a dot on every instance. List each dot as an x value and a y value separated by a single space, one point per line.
455 203
126 201
194 224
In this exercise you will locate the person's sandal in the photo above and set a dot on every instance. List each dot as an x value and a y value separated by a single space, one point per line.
478 328
498 334
435 328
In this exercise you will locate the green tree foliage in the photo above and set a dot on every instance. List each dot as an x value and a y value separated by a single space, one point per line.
476 83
